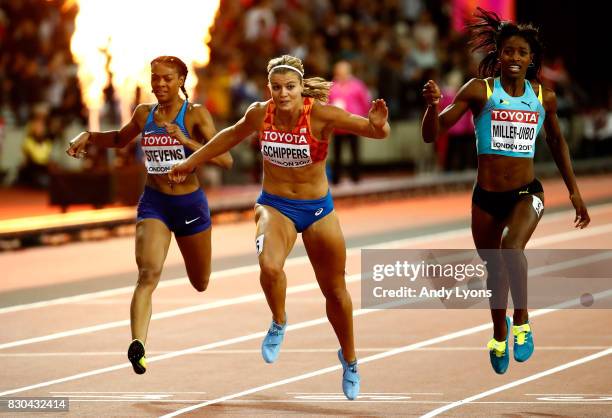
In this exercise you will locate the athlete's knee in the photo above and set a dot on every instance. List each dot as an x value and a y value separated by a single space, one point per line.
148 276
271 270
510 242
200 282
337 296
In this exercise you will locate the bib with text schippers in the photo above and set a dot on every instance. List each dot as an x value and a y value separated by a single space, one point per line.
298 148
161 151
285 149
509 125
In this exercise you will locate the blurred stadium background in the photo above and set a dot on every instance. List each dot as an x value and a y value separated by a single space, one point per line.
70 65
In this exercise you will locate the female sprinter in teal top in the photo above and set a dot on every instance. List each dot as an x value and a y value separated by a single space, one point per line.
509 106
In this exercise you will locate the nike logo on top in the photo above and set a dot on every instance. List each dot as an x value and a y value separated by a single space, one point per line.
524 192
526 103
149 132
193 220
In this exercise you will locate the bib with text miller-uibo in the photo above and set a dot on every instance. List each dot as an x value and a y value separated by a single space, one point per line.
286 149
514 130
161 152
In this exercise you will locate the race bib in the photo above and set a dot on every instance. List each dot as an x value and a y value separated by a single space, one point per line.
161 153
514 130
285 149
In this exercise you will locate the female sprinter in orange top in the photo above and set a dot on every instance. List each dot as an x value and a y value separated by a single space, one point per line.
293 129
171 130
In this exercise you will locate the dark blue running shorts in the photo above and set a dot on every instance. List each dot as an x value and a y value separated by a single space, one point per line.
184 215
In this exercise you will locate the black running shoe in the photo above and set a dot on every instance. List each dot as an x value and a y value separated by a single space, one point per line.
136 355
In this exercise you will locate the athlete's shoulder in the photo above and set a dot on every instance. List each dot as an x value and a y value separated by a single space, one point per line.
321 109
196 110
474 89
256 109
549 99
144 108
141 112
196 107
255 114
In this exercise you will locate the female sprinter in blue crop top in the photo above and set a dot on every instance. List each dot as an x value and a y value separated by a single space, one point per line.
170 131
509 106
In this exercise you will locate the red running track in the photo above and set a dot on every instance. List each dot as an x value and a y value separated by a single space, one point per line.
203 349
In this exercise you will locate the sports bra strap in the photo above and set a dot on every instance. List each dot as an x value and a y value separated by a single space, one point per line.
489 92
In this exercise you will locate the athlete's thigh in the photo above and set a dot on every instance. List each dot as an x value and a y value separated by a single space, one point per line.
486 229
523 220
326 250
275 235
196 251
152 243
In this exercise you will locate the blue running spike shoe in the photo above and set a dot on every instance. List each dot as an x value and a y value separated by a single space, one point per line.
523 342
136 355
498 352
270 346
350 377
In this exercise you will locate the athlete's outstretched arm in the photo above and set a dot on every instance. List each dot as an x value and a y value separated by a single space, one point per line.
435 123
375 126
560 152
110 139
219 144
202 130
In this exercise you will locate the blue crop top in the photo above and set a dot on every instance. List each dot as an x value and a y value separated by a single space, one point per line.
161 151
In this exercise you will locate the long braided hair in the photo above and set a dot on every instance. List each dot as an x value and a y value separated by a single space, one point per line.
489 33
178 64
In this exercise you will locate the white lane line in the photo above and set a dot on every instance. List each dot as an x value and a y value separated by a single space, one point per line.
125 392
365 393
285 350
400 350
440 236
571 235
567 394
290 290
519 382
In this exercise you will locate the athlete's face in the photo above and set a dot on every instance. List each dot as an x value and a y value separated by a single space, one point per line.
515 56
286 89
165 81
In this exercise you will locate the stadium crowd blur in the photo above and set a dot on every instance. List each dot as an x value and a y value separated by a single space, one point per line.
394 46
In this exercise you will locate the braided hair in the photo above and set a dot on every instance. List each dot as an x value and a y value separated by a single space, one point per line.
178 64
489 33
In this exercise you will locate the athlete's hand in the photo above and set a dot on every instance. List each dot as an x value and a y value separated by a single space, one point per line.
582 218
180 171
175 132
76 149
431 93
378 114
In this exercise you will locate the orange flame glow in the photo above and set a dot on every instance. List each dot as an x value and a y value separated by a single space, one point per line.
132 33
